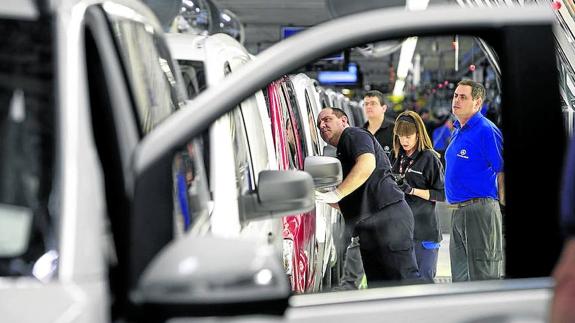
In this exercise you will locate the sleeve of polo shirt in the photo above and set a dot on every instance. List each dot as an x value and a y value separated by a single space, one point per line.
435 178
492 147
359 143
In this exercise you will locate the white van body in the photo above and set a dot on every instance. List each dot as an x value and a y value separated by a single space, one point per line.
70 282
221 54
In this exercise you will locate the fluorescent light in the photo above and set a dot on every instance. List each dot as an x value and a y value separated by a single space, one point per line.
405 57
407 49
398 89
416 69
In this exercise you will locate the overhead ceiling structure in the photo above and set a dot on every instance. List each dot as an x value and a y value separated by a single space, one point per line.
263 21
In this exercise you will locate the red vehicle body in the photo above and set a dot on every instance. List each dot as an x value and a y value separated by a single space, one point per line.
300 254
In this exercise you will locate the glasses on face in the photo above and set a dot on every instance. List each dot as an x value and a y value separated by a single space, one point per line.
370 103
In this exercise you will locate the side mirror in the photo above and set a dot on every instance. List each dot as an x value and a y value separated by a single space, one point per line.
209 276
325 171
279 193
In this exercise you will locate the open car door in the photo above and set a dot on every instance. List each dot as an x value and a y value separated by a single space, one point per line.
522 38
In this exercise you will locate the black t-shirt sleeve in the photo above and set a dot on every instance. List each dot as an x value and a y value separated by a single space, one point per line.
435 177
359 142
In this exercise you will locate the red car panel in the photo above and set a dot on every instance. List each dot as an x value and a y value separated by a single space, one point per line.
300 229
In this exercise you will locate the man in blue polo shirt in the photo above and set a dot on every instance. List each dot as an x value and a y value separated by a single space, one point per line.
474 188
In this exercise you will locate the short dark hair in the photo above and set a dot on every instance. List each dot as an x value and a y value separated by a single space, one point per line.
337 112
375 94
477 89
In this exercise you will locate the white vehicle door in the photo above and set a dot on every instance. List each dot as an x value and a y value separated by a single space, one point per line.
527 66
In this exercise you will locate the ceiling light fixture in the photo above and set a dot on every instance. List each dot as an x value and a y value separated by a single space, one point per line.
407 50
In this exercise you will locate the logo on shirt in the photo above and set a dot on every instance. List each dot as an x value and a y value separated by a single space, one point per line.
463 154
386 148
414 171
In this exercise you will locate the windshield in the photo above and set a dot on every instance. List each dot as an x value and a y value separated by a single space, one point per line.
26 148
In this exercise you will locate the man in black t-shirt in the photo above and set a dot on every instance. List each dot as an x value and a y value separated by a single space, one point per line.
370 200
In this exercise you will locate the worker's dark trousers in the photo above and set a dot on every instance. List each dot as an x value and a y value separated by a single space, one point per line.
386 244
426 261
353 264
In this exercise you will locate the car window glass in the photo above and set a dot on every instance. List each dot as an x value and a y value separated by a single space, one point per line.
313 129
244 171
293 148
27 150
190 189
255 131
274 111
156 87
194 76
245 180
149 68
156 93
295 115
194 80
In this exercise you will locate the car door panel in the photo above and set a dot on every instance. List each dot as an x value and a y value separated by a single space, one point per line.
507 31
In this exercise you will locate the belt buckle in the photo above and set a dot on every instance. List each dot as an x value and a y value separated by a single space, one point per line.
464 203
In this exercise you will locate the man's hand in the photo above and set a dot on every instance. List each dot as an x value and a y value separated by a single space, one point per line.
328 197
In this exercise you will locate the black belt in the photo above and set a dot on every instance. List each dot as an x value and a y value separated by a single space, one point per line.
464 203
